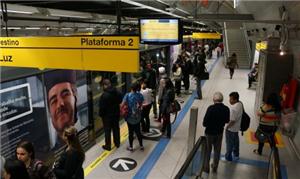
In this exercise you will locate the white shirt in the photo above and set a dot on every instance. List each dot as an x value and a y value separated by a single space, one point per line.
236 112
147 94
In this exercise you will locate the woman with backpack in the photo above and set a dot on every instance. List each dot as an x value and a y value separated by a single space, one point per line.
36 168
70 162
134 101
269 116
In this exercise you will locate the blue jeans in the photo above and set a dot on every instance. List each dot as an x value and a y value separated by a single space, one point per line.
232 145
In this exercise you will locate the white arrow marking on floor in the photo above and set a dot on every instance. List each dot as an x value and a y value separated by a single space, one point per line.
123 164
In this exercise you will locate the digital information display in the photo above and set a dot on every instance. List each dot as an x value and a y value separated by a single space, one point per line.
159 30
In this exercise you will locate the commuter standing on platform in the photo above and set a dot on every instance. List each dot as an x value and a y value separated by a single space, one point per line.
233 127
147 103
177 74
149 75
232 64
199 66
162 81
134 100
168 97
216 116
109 110
15 169
187 69
70 162
36 169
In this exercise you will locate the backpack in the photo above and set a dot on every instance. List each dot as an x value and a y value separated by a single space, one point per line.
245 121
136 111
124 110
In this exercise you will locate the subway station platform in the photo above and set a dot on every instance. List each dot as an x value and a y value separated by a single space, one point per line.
163 157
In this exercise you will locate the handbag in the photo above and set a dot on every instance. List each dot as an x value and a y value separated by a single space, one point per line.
174 107
204 76
261 136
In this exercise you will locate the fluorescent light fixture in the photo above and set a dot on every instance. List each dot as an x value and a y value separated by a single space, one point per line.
17 12
181 10
151 8
12 28
66 28
32 28
72 14
197 22
20 9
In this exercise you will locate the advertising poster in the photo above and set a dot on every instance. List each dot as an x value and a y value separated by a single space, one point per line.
66 96
38 108
23 116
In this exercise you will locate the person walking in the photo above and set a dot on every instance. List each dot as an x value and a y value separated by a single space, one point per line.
269 117
233 127
109 111
134 100
232 64
216 116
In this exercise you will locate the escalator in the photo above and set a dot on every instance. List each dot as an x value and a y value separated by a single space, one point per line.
193 166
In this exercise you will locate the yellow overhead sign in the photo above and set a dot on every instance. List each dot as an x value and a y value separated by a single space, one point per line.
200 35
103 53
261 45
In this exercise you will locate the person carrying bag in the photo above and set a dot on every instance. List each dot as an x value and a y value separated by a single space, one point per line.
269 114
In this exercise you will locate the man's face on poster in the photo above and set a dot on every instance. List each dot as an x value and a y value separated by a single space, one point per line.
61 99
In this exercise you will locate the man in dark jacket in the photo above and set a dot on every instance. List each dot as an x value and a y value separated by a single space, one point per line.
109 111
217 115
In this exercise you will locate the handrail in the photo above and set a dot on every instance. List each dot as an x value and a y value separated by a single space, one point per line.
246 39
274 163
201 141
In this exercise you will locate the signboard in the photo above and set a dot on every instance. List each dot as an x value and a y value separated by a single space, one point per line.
153 134
123 164
200 35
102 53
15 103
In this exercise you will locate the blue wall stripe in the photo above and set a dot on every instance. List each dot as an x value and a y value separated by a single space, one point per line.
147 166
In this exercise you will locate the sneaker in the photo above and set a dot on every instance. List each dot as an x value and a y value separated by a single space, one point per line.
106 148
129 149
142 148
235 158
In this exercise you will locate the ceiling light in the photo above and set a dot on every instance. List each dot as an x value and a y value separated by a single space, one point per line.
71 14
32 28
281 53
12 28
18 12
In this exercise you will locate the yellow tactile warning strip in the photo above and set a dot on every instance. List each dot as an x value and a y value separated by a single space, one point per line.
250 138
105 153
